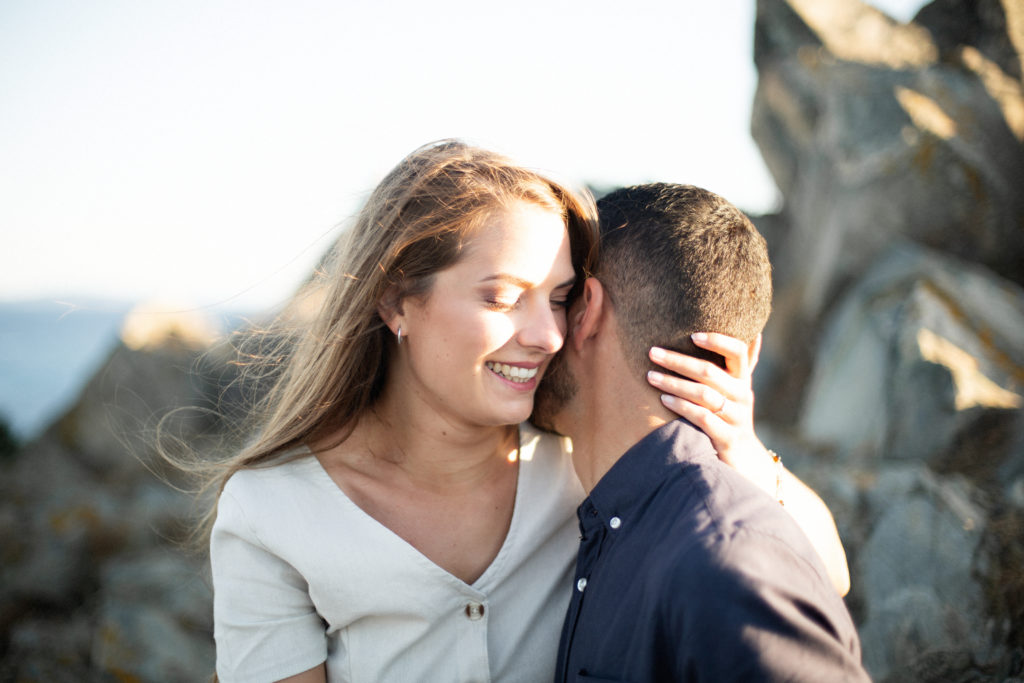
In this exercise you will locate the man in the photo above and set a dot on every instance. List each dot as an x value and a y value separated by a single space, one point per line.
686 571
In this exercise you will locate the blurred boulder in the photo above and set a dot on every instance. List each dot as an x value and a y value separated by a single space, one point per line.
995 28
919 574
110 427
922 360
916 393
874 130
52 648
94 584
154 619
893 365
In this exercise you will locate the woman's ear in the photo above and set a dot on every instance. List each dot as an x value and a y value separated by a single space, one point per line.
389 308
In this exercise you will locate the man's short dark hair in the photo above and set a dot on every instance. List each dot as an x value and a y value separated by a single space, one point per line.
677 259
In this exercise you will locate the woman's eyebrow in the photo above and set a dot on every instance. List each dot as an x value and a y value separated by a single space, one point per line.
568 283
511 279
521 283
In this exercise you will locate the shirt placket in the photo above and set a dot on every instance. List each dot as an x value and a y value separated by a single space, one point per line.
593 534
472 622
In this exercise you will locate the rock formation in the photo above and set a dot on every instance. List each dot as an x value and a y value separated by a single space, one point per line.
875 130
894 360
94 582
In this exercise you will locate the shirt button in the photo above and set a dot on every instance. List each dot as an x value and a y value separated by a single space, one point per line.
615 522
475 611
581 584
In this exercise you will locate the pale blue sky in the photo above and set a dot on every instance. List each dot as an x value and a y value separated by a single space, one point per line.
206 151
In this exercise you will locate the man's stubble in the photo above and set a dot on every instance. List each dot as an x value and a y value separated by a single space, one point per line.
557 388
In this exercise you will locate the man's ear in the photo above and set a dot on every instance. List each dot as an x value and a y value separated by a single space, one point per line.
586 319
753 352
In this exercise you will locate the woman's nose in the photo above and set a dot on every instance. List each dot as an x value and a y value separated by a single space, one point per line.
543 330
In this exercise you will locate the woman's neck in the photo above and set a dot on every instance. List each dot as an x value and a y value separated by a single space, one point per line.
429 449
450 493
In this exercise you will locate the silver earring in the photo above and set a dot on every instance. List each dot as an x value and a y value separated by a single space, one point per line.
399 335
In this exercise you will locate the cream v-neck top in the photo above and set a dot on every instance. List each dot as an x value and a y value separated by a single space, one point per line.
302 575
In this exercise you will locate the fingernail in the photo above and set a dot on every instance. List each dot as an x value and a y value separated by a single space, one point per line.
667 399
657 353
699 337
653 376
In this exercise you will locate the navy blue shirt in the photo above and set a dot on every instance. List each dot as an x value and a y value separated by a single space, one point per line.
688 572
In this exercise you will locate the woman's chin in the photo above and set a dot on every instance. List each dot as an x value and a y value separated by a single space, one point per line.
517 413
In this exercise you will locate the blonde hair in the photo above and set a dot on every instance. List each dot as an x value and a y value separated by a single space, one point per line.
416 222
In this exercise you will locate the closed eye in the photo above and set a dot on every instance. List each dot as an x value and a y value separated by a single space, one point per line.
560 295
502 306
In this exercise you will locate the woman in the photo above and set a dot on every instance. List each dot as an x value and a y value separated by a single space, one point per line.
392 520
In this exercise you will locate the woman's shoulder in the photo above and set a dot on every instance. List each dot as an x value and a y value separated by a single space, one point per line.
290 470
266 500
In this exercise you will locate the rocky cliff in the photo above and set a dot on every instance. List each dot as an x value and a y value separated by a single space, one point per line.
892 375
894 366
95 584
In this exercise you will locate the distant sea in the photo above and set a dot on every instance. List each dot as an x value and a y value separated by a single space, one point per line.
48 351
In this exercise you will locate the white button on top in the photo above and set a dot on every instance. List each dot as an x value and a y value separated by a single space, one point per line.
581 584
475 611
615 522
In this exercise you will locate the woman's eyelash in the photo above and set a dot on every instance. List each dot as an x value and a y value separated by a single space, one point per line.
499 305
506 306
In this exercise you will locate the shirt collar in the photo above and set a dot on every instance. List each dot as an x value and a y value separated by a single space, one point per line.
640 470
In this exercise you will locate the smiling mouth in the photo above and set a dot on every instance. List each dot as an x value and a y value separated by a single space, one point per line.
512 373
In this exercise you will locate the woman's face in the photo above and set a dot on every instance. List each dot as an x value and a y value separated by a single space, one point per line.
479 341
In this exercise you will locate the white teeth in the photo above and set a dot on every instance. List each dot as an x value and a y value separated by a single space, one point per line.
513 372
